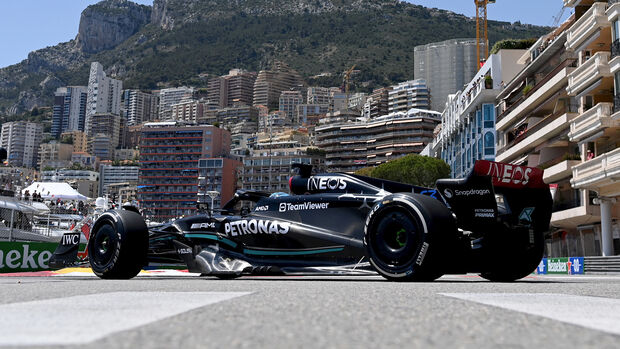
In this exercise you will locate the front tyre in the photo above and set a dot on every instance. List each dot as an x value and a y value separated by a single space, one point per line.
402 237
118 245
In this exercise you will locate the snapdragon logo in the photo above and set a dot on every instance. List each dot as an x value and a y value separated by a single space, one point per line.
471 192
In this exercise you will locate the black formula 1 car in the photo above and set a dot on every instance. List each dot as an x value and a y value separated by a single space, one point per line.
492 222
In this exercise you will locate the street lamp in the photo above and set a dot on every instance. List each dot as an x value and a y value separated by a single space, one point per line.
212 194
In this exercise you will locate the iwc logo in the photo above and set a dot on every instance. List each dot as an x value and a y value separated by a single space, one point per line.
448 193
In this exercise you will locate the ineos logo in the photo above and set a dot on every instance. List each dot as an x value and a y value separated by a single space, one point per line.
325 183
448 193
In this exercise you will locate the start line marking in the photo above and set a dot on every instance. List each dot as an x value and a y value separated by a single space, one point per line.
83 319
597 313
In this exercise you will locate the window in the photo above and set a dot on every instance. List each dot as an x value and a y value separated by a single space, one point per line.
615 30
479 120
489 144
489 115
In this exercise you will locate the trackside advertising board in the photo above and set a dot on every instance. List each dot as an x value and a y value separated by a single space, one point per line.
564 266
25 256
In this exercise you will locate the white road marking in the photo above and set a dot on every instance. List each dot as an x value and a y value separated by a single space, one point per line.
597 313
83 319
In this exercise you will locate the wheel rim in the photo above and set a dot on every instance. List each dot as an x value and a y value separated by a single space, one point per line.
394 240
103 246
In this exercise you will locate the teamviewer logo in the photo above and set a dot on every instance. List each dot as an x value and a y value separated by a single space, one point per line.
283 207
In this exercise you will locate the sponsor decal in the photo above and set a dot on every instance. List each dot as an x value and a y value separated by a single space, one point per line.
542 267
255 226
422 254
526 215
186 250
566 266
262 208
432 193
209 225
510 173
470 192
448 193
484 213
575 265
26 256
326 183
304 206
70 239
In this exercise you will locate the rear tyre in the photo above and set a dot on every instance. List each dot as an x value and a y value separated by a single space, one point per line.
518 259
400 237
118 245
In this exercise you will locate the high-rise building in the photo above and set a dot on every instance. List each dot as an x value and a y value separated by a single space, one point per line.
105 135
79 140
468 121
270 84
235 88
377 104
446 66
116 174
69 110
350 146
271 173
169 163
230 117
220 175
21 140
139 107
407 95
190 111
170 96
289 101
104 95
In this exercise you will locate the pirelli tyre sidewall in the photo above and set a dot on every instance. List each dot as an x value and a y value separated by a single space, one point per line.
416 256
118 245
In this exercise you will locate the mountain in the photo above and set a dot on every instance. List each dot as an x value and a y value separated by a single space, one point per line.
184 41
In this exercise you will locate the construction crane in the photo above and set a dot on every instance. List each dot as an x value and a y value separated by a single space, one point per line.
482 31
347 78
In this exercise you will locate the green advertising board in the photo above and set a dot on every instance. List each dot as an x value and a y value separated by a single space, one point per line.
25 256
557 265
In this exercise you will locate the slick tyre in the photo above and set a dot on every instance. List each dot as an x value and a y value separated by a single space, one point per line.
403 237
118 245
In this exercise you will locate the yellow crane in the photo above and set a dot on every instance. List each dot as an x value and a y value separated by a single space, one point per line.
482 31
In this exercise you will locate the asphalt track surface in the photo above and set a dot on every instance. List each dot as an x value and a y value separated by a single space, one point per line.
309 312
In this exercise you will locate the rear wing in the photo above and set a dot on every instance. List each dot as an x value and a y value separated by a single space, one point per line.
497 192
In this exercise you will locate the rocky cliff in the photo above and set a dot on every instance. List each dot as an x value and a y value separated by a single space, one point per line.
105 25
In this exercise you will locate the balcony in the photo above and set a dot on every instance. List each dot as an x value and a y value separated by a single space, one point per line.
572 217
601 173
588 73
587 26
538 134
591 122
544 90
559 171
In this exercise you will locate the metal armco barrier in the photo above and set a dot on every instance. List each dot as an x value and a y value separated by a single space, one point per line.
602 264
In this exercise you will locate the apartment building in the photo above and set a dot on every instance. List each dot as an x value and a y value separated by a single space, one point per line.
104 95
104 135
271 173
79 140
235 88
54 154
594 40
169 166
377 103
217 175
139 107
236 115
446 66
407 95
270 84
468 122
170 96
289 101
350 146
109 175
69 109
21 140
189 111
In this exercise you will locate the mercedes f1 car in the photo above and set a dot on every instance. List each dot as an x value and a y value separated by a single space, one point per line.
492 223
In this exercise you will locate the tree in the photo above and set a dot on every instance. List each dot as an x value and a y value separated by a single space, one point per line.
411 169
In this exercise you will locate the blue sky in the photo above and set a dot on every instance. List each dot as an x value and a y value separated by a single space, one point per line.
28 25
